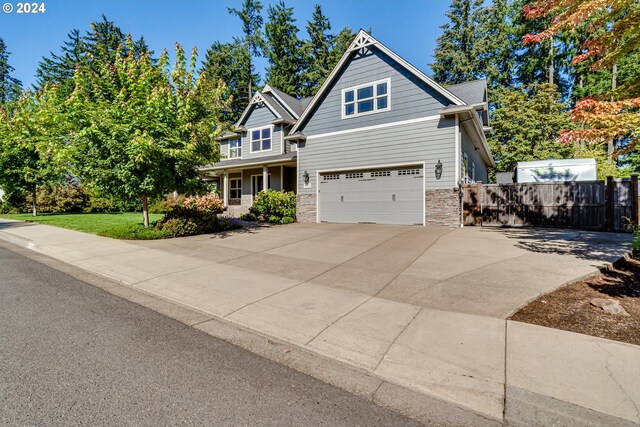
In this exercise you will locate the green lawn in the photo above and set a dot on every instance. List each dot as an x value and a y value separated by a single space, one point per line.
117 225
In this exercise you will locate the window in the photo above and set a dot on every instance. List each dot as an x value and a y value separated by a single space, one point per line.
235 148
235 188
380 173
261 140
408 172
329 177
355 175
366 99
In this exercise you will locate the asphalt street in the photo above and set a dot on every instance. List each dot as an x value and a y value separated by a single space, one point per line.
73 354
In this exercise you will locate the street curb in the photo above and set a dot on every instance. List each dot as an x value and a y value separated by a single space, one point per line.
410 403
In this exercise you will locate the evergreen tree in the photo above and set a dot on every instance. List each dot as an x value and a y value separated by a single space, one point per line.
317 51
496 44
456 56
100 43
230 63
341 43
10 87
284 50
252 21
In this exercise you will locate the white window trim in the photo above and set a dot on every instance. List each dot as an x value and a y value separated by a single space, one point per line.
250 138
260 175
375 97
229 148
237 188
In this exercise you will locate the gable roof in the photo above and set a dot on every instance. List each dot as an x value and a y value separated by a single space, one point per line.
473 92
364 39
292 104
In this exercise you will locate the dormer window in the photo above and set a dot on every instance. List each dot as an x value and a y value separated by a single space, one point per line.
261 140
235 148
366 99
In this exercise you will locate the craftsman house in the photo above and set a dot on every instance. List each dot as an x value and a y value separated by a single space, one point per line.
380 142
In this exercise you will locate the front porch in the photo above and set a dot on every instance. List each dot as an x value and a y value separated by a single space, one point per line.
240 182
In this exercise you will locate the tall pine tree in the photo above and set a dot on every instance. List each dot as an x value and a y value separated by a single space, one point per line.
252 21
284 50
495 44
456 55
230 62
10 87
317 52
101 43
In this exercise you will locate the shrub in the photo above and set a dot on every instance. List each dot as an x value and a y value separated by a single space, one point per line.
59 199
191 215
248 217
274 206
178 227
134 232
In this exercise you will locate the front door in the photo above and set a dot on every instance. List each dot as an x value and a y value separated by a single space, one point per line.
256 184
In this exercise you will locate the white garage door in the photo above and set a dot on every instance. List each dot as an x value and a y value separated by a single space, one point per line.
380 196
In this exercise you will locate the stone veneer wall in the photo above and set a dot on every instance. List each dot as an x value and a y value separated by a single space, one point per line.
306 208
443 207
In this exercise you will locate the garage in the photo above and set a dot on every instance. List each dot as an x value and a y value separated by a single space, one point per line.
373 196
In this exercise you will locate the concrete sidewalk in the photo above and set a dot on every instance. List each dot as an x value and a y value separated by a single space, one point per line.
423 308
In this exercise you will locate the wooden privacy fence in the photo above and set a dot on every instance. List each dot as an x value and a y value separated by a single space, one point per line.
593 205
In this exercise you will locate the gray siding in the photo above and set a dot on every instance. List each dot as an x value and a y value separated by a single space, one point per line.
275 178
410 97
474 156
261 117
425 141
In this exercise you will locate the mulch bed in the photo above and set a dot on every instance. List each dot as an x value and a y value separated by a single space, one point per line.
569 307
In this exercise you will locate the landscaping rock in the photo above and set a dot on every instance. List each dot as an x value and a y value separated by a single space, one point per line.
611 306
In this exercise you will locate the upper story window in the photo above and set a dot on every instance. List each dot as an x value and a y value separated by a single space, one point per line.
366 99
235 148
261 140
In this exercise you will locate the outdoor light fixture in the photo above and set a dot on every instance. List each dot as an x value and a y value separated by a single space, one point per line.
439 170
305 177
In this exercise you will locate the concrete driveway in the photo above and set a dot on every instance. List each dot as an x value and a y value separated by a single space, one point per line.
418 307
484 271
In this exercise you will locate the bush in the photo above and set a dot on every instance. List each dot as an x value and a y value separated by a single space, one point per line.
59 199
186 216
178 227
248 217
134 232
275 206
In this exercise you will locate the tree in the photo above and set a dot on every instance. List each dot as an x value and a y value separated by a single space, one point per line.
10 87
143 131
526 123
496 44
32 133
317 52
341 43
284 50
231 63
456 58
611 33
99 44
252 21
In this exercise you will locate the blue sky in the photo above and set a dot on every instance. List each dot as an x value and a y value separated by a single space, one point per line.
409 27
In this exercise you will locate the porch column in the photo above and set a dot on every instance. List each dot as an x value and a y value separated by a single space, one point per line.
265 178
225 189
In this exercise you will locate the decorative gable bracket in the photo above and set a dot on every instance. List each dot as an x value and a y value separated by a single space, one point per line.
363 39
257 98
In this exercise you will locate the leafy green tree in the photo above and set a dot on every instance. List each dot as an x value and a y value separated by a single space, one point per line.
32 133
283 50
10 87
231 63
456 56
526 123
143 131
317 52
252 22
